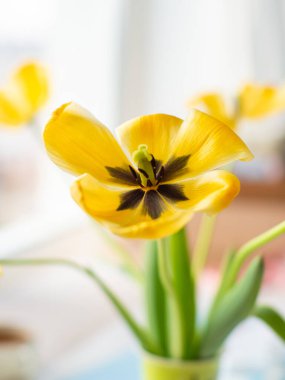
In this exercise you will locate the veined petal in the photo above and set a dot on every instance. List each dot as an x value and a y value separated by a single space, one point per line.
99 201
210 192
214 105
26 91
257 101
102 204
78 143
209 144
158 132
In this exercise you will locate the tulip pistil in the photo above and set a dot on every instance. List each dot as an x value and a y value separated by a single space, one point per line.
145 164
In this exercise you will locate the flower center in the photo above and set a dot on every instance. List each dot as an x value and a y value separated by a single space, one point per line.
144 161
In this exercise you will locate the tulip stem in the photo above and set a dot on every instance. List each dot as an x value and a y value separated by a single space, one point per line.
203 243
247 249
137 330
243 254
173 264
164 270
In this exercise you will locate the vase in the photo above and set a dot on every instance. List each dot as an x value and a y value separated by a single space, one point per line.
157 368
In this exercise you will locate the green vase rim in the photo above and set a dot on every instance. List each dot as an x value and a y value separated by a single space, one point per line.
180 362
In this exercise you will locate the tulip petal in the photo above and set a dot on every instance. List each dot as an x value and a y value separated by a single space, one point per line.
14 110
32 80
26 91
210 192
257 101
214 105
166 225
208 143
78 143
157 131
103 203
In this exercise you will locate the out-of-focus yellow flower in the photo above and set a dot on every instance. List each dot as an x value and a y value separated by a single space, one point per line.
259 101
159 172
253 101
24 94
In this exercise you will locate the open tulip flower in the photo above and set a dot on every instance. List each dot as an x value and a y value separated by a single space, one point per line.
25 92
149 182
252 102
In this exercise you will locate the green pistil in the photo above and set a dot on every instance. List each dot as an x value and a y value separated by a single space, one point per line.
143 159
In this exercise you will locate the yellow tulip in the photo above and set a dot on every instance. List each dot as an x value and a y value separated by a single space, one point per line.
258 101
149 181
24 94
215 105
253 101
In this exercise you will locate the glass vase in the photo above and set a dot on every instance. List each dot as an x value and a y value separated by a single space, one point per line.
157 368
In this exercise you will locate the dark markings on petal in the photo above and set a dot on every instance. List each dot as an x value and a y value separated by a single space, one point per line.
175 167
149 183
121 175
172 192
130 199
153 204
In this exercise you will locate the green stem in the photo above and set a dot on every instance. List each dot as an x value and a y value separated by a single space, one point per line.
183 283
155 299
239 258
164 272
203 243
137 330
250 247
180 327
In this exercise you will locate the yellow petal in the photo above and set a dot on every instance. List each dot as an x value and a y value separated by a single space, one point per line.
24 94
32 79
214 105
210 192
13 110
209 144
78 143
101 203
257 101
158 132
154 229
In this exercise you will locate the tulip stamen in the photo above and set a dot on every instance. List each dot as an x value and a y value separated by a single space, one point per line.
144 173
133 172
159 175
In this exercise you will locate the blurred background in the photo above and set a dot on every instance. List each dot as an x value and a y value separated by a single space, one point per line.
121 59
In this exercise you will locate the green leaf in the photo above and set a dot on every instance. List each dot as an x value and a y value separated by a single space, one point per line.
232 309
272 319
182 323
229 259
139 331
155 299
